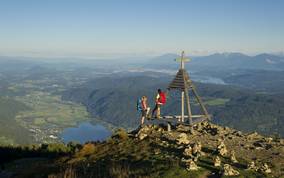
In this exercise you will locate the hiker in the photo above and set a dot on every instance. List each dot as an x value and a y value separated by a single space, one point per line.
160 100
142 106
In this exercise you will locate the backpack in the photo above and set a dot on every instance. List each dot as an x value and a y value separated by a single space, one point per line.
162 98
139 104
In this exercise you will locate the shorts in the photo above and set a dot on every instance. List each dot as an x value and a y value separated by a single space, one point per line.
144 113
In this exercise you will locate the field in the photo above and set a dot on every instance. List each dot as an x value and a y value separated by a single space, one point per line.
49 115
216 101
49 109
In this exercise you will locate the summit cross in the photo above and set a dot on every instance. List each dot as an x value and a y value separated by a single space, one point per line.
182 59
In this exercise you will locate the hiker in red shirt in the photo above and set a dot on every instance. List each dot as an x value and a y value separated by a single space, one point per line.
160 100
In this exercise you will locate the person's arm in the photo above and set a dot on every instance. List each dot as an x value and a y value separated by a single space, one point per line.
157 98
144 105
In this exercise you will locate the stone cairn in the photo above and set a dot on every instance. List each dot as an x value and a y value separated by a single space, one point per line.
233 157
190 164
196 151
182 139
229 171
221 149
188 151
252 166
144 132
217 161
265 168
191 155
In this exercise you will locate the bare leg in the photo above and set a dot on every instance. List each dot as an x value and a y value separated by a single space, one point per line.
154 110
158 111
148 113
142 120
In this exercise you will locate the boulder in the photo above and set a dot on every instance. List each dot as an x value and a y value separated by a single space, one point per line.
228 170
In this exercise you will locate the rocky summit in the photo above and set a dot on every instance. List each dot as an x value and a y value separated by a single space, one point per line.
206 150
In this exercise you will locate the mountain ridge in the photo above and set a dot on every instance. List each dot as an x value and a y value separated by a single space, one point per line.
205 150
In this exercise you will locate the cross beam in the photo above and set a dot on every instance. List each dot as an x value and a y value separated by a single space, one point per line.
182 59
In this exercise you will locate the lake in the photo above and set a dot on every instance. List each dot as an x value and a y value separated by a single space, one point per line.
208 79
85 132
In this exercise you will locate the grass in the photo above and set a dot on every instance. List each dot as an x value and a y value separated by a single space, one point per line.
6 141
181 172
217 101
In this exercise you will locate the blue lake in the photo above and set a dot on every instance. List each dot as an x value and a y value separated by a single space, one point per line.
85 132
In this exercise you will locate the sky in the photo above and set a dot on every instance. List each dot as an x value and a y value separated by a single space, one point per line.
140 27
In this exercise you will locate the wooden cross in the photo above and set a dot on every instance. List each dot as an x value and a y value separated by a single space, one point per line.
182 59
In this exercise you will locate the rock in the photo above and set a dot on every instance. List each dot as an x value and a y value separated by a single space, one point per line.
259 144
141 136
239 133
182 139
265 169
164 144
144 132
157 151
160 129
190 165
253 135
229 171
217 161
268 139
214 131
233 157
201 126
252 166
187 151
182 128
196 148
221 149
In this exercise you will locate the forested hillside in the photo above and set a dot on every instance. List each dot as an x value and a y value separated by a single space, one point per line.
10 130
114 100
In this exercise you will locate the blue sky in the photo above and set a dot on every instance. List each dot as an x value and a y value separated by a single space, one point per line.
140 27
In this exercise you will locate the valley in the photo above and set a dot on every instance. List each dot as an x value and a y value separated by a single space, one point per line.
55 96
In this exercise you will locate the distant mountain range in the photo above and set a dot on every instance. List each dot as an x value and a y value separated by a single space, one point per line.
221 61
217 61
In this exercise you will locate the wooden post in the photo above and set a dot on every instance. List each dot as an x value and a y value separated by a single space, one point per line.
169 126
182 106
188 106
204 110
182 60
